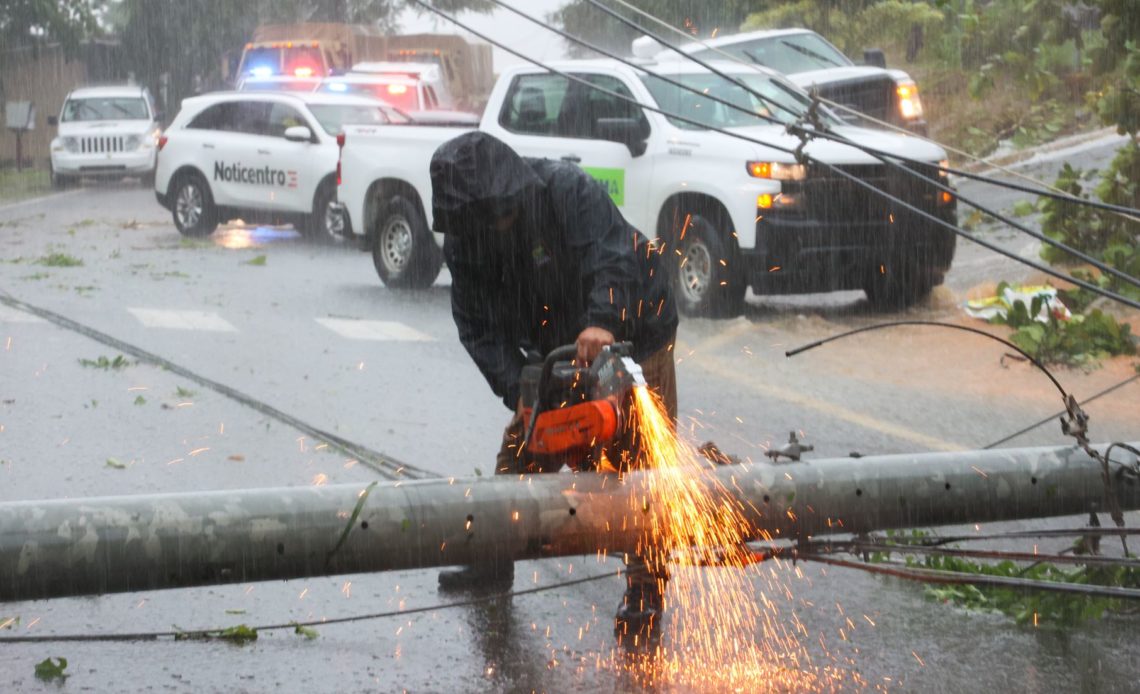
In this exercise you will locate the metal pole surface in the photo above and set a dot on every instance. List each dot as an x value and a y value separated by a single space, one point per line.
72 547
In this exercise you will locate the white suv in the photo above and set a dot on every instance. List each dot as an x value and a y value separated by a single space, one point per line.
260 155
106 132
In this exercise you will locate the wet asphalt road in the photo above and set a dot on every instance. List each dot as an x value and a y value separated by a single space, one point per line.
289 332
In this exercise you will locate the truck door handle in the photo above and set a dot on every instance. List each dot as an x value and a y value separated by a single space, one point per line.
574 158
206 145
263 151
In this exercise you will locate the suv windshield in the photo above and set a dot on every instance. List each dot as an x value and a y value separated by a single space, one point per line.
776 100
333 117
789 54
105 108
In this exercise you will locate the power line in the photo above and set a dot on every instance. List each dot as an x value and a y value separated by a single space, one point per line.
1051 191
921 213
887 158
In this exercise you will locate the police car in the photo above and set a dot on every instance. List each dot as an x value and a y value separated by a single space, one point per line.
258 155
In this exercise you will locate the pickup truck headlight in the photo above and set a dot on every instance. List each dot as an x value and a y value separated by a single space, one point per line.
777 171
910 106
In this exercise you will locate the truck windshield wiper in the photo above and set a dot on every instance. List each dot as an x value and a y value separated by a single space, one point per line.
811 54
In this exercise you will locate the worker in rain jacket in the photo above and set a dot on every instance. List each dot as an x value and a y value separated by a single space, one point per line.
541 257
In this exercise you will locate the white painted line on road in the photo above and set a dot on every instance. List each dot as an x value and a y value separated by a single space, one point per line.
734 374
374 330
36 201
702 358
182 320
12 315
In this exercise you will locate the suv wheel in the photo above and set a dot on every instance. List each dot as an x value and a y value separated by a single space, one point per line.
193 206
322 224
707 281
403 250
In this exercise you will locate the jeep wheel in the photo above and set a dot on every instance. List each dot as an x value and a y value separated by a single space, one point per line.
707 281
58 182
403 250
193 206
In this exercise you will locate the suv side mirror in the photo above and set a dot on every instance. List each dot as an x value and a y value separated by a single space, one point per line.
624 131
875 57
298 133
158 116
53 121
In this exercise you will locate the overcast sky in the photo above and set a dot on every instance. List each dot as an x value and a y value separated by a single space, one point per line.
500 25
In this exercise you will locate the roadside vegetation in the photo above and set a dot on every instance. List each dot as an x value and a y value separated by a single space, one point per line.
20 185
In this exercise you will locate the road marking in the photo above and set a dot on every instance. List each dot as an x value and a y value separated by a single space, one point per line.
374 330
182 320
36 201
12 315
735 374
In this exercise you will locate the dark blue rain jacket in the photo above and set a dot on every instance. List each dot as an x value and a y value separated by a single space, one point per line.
570 260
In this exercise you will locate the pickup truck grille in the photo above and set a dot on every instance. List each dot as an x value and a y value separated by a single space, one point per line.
829 197
102 144
873 96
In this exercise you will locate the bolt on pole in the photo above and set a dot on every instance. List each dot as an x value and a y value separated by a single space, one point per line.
71 547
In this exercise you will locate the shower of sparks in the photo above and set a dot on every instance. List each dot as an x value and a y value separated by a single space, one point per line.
722 631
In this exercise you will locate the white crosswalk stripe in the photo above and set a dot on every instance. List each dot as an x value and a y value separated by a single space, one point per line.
374 330
182 320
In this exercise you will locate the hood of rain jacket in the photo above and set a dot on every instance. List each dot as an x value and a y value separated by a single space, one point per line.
569 261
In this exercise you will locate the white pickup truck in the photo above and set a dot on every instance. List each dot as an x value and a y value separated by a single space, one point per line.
737 214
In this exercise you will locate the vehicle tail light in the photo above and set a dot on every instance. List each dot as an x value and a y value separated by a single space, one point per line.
397 88
340 145
161 142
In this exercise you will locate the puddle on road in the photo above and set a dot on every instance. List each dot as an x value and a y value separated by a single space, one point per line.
237 235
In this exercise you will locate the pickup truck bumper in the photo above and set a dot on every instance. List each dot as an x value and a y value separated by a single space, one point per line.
796 254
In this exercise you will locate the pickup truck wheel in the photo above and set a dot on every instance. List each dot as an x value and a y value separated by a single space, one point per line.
403 250
323 225
193 206
707 281
899 286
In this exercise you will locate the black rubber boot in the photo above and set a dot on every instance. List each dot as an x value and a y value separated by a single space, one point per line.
490 577
638 619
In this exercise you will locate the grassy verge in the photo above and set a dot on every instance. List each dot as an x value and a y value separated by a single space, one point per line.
20 185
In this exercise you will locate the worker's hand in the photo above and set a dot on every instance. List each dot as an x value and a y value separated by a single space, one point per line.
590 342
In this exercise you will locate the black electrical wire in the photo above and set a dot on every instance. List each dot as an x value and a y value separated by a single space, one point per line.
385 465
937 324
862 184
870 150
218 633
1052 417
887 158
954 577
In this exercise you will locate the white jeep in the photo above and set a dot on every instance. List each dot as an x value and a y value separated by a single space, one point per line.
109 132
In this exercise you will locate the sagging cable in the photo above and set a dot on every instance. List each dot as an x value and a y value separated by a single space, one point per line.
740 136
819 129
1049 191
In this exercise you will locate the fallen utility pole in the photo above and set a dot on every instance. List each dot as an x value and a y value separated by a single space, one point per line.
72 547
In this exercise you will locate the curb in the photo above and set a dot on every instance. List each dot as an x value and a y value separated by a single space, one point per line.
1021 155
